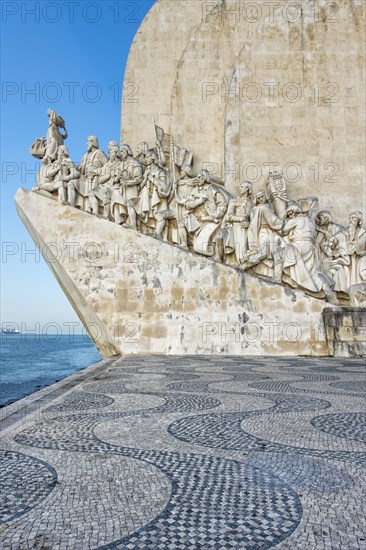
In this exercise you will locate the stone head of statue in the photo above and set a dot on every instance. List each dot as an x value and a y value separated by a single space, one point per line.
62 152
260 197
51 117
125 151
112 147
324 218
246 188
151 158
92 143
293 210
142 148
203 177
55 119
355 218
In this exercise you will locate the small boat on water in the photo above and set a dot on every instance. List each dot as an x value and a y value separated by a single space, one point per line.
10 331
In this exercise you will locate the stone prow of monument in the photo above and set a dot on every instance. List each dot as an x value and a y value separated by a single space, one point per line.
136 294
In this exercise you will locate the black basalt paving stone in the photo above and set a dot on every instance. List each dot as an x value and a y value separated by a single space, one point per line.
347 425
351 385
224 431
24 482
285 386
80 401
218 502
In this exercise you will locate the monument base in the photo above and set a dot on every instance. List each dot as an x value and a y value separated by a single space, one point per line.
138 295
346 331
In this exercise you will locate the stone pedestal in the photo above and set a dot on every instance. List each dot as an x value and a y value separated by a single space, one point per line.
346 331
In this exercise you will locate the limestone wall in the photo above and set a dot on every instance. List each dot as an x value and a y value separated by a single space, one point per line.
278 84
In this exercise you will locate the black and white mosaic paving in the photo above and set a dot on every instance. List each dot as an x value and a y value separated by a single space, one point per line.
193 452
24 482
347 425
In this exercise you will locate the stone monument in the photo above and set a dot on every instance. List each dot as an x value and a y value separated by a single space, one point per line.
158 250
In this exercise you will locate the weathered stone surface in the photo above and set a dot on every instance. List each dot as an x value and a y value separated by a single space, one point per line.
248 87
136 294
346 331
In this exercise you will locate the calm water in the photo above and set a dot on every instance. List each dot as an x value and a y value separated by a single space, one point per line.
31 362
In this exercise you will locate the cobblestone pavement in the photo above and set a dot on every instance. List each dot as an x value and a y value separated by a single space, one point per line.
191 452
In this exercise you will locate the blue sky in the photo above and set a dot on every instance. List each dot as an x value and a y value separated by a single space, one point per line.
69 56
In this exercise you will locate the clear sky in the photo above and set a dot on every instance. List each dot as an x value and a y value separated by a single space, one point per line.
69 56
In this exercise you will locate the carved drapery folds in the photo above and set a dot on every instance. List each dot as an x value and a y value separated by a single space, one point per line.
157 192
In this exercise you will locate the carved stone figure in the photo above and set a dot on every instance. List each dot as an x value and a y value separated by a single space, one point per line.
237 221
301 233
175 213
182 190
46 176
156 188
141 151
357 248
90 169
264 241
68 174
326 229
206 207
100 196
54 137
337 261
357 295
126 185
47 146
58 174
143 148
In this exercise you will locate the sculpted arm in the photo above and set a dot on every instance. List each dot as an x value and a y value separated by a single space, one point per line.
101 161
53 170
221 206
289 226
193 202
273 221
163 184
74 173
361 245
230 217
104 176
136 176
